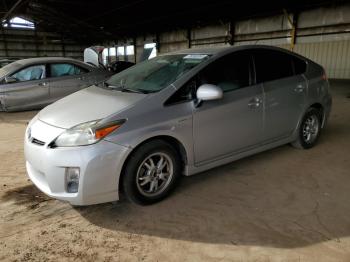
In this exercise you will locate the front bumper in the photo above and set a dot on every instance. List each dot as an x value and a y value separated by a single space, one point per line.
100 166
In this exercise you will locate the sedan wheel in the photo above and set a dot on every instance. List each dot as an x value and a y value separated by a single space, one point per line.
151 172
309 130
154 174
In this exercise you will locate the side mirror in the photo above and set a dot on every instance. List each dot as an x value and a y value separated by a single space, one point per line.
10 80
208 92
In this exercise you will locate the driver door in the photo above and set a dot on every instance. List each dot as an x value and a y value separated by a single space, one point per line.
234 123
30 91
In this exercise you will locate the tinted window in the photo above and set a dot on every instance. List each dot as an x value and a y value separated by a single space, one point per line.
65 70
229 73
299 66
35 72
272 65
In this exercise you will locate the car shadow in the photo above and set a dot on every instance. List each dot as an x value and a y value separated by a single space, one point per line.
233 204
254 201
26 196
281 198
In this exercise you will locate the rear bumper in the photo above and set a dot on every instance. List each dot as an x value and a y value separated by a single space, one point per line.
100 166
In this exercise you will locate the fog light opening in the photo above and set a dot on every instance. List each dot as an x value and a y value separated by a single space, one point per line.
72 179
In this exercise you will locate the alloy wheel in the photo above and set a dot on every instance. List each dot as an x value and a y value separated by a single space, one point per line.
311 128
154 174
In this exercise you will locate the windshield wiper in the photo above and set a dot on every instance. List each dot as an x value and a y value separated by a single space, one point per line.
123 88
107 85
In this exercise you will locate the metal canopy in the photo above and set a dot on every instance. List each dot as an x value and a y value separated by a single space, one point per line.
93 21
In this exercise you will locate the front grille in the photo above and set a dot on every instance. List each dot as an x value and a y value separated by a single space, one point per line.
37 142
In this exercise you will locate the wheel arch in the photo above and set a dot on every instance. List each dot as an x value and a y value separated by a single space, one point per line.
316 105
320 108
176 143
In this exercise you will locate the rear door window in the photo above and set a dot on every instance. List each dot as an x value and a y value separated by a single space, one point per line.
272 65
299 66
65 69
35 72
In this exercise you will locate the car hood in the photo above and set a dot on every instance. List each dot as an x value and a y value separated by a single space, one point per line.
89 104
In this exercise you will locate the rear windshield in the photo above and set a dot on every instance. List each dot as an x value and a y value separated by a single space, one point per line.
155 74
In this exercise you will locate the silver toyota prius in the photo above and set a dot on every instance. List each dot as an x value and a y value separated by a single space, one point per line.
34 83
177 114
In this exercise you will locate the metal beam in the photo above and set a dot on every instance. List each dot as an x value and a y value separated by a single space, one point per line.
63 46
157 42
36 40
293 22
231 33
135 49
189 40
5 42
13 8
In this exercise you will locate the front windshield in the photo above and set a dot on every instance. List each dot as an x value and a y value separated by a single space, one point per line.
155 74
9 68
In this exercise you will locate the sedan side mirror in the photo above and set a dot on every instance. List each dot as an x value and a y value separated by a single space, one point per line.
10 80
208 92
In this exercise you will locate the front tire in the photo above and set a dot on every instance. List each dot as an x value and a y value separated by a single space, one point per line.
309 130
151 172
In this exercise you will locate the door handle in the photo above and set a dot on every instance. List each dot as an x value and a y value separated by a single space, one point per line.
254 103
299 88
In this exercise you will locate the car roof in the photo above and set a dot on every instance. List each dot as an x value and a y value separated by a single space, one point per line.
227 49
34 60
209 51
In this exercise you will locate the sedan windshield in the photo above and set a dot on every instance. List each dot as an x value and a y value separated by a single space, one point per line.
155 74
9 68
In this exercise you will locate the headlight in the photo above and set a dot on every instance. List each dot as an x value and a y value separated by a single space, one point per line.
85 134
31 122
29 133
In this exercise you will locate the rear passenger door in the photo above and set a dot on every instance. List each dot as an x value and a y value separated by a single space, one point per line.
284 92
65 79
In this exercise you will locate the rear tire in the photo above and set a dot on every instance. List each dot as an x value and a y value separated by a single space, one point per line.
309 129
151 173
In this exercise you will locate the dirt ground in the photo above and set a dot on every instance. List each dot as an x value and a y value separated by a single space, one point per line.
280 205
